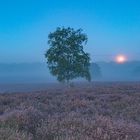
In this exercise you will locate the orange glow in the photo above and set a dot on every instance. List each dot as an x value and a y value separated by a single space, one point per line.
121 59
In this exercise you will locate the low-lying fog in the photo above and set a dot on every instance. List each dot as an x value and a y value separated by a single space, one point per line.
39 73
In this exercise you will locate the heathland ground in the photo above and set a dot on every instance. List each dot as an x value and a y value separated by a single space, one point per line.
96 111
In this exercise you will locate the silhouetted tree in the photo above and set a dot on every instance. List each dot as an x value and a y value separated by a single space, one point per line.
95 71
66 58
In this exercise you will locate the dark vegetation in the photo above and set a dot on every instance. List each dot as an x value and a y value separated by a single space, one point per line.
96 111
66 58
95 71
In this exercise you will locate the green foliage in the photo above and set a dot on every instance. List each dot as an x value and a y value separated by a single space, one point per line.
66 58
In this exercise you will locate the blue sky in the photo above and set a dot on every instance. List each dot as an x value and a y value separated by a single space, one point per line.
113 27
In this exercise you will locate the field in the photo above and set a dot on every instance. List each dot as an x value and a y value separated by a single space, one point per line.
96 111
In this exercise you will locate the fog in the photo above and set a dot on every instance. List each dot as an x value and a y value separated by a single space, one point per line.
39 73
111 71
25 73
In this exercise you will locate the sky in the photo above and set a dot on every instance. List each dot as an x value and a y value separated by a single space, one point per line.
112 26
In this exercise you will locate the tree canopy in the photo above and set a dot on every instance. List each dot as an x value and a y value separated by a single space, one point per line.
66 58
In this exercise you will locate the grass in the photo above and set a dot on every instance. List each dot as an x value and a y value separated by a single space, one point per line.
97 111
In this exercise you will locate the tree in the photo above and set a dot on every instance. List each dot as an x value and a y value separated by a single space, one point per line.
95 71
66 58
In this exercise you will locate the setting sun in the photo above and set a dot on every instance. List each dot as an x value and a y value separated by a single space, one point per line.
121 59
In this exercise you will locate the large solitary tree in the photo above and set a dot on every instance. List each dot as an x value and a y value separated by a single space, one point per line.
66 58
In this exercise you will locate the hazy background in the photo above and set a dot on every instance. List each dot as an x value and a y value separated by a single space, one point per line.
112 26
39 73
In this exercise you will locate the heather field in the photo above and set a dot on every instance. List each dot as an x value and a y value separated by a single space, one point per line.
96 111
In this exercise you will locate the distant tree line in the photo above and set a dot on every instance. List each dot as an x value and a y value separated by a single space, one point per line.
95 71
